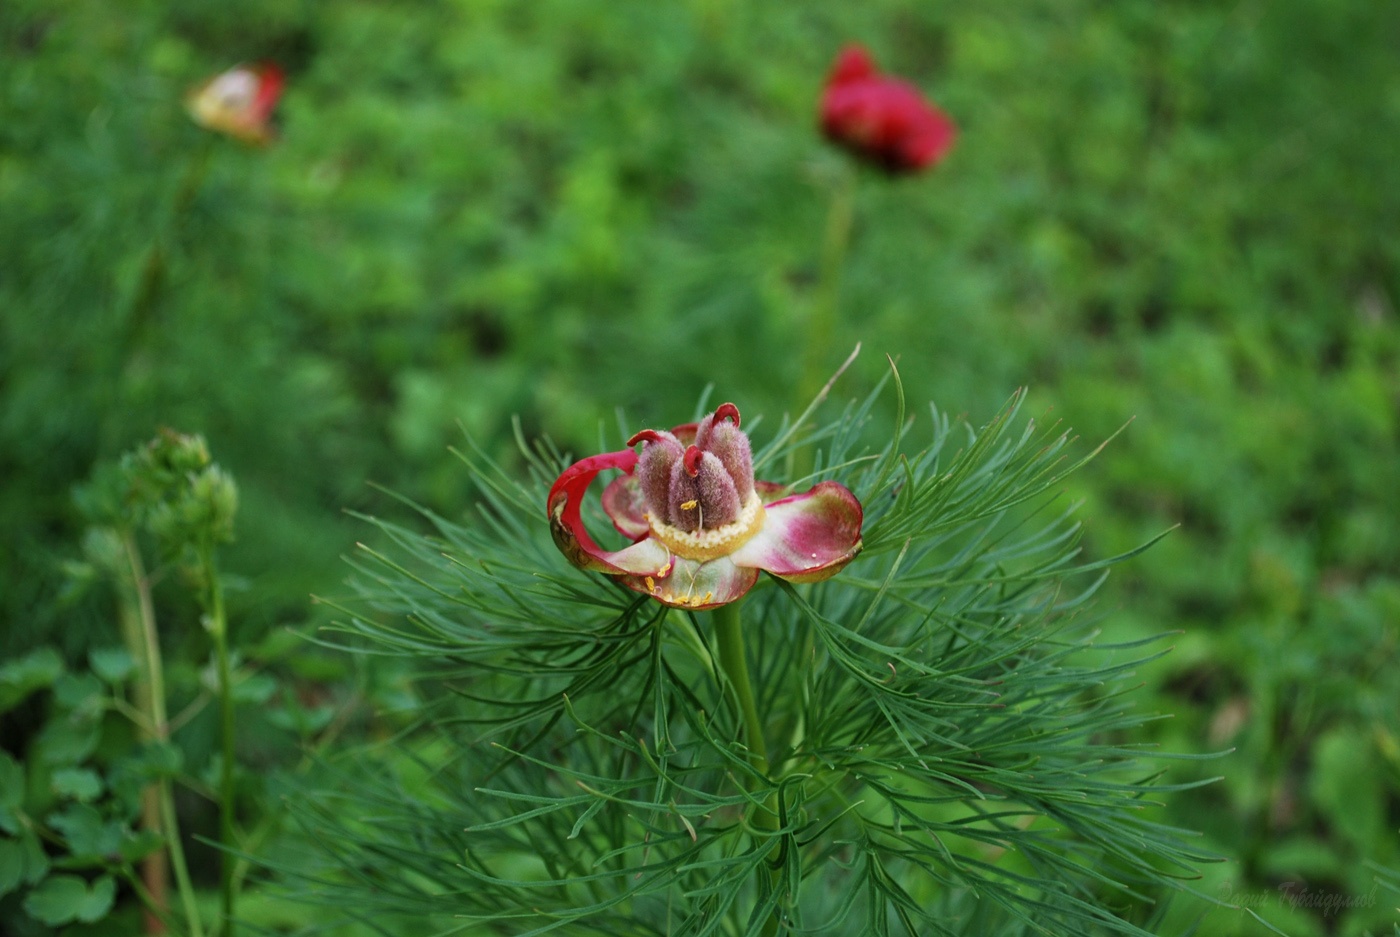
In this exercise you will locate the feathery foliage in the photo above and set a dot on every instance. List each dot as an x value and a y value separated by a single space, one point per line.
949 750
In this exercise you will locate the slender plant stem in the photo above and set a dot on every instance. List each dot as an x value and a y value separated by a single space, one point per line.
218 625
821 323
153 908
154 697
729 635
140 306
155 867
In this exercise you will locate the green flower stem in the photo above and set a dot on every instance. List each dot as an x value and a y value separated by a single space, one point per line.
140 306
140 626
821 323
218 626
729 635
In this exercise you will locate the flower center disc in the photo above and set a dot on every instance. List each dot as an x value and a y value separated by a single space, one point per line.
708 544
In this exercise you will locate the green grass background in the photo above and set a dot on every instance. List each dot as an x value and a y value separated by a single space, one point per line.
1183 213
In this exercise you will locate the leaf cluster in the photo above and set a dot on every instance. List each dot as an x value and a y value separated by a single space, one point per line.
947 743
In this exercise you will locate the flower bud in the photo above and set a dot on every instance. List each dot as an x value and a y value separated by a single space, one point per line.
702 495
661 453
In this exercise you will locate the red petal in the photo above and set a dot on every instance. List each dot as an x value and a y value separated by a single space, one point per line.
852 64
271 81
626 506
647 557
807 537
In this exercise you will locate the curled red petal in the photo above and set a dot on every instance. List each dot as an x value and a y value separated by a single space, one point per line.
646 557
693 455
727 410
646 435
806 537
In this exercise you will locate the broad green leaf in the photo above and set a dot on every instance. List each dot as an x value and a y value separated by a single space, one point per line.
11 781
36 861
82 784
22 859
79 692
157 760
88 834
112 664
1346 783
11 865
64 898
139 845
256 689
67 740
21 677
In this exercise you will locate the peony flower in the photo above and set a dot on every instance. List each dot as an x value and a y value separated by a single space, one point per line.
701 526
882 119
239 102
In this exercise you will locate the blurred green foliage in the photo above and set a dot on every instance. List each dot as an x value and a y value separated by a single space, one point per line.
1180 212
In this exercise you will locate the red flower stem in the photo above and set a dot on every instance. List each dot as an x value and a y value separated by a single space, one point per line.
729 635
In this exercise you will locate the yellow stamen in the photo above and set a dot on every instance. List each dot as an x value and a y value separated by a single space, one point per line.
690 505
715 542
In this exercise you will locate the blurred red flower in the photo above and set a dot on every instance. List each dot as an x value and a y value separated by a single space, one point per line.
881 119
239 102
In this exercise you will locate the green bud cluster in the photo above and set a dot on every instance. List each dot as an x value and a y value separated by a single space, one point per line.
170 488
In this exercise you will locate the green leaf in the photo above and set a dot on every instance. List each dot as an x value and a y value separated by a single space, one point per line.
137 846
82 784
19 678
1346 784
88 834
64 898
22 860
67 741
256 689
11 781
36 861
11 865
79 692
112 664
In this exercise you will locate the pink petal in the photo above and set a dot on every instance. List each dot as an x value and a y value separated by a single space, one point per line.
626 506
807 537
646 558
696 584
